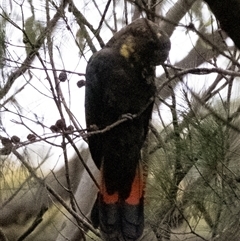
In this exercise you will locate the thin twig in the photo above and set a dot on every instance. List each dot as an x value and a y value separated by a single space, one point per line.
82 21
35 47
103 16
82 161
120 121
55 195
214 113
35 223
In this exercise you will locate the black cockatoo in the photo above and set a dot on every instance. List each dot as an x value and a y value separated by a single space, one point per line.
120 84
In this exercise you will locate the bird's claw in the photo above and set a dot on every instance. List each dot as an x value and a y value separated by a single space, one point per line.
128 116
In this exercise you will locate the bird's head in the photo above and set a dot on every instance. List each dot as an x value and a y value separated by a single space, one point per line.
142 41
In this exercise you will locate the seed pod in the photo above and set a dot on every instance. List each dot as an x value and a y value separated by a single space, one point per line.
6 150
6 141
81 83
62 76
70 128
54 129
15 139
31 137
60 124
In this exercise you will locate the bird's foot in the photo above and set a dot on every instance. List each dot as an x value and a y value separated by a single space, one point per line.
128 116
93 127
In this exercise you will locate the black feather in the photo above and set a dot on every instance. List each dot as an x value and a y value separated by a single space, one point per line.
120 81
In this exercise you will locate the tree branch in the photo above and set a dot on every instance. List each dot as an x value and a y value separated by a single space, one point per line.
35 48
55 195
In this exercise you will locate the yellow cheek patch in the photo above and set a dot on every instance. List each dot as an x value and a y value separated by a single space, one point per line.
127 48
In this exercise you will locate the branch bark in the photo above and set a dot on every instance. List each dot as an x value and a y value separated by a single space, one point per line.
175 14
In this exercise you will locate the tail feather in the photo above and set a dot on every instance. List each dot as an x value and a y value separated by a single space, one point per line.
120 219
132 220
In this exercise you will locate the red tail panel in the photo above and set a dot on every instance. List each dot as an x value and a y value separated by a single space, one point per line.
137 188
120 219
